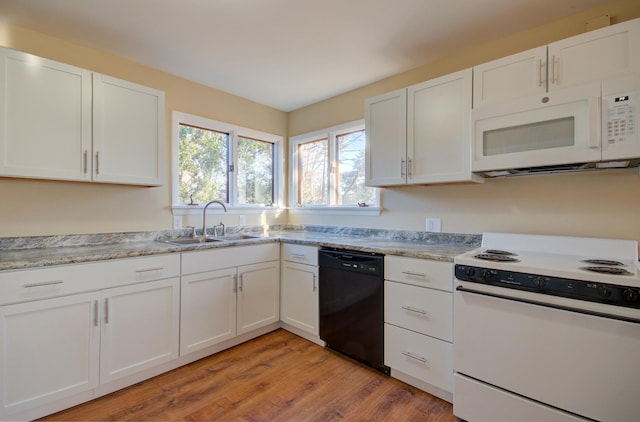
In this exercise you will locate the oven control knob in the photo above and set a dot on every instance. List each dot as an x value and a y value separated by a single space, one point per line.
539 282
630 295
604 291
486 275
470 272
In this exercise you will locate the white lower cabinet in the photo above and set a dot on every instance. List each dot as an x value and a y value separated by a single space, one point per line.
300 306
222 299
58 341
50 350
419 323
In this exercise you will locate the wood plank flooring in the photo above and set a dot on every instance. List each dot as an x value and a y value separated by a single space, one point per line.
276 377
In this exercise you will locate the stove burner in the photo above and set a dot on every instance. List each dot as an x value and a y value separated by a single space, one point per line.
495 257
499 252
607 270
603 262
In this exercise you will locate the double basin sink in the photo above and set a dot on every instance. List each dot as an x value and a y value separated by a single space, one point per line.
190 241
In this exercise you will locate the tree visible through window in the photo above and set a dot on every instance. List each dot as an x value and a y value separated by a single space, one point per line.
203 163
329 168
255 171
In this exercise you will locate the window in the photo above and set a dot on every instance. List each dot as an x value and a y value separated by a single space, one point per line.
327 169
215 160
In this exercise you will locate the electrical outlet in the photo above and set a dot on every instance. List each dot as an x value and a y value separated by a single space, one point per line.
433 225
177 222
242 220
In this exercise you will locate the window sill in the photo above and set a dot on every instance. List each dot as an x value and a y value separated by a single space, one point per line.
179 210
335 210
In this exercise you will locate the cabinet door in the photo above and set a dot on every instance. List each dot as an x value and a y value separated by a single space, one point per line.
595 55
516 76
300 296
208 311
386 131
258 295
49 350
45 118
128 132
139 327
439 130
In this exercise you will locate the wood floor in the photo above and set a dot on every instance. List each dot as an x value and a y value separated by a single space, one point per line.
276 377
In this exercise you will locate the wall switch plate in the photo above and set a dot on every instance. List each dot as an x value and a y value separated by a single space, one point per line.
433 225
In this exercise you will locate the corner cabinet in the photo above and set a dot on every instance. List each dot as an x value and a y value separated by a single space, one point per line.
590 57
228 292
421 134
62 122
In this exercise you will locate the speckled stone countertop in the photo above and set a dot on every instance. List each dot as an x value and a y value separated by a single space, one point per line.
40 251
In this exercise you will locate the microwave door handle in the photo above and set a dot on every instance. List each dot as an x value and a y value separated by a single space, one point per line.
594 116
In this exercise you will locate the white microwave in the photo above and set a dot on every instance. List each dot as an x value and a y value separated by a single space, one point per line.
561 130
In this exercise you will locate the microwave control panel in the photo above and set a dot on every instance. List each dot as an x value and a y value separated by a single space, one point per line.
621 117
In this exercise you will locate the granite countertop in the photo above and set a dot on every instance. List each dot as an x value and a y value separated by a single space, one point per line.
41 251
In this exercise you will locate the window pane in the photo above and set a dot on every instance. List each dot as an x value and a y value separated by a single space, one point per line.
349 174
313 164
203 165
255 171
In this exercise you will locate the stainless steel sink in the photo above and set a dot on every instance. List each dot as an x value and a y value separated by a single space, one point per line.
189 241
185 241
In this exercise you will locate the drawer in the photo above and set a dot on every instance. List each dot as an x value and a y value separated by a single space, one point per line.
234 256
419 272
60 280
420 309
302 254
423 357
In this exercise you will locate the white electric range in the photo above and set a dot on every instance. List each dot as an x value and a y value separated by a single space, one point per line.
547 328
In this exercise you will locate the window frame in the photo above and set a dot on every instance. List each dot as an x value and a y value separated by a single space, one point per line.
178 208
332 207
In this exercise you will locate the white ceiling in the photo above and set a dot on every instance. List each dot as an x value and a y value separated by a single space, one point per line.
284 53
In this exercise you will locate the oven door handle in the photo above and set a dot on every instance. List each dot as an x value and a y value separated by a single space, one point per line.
550 305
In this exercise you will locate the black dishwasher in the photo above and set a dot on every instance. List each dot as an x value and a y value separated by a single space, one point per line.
352 304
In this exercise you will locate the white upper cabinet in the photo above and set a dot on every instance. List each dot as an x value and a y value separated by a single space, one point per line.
128 128
66 123
386 132
590 57
421 134
516 76
45 118
593 56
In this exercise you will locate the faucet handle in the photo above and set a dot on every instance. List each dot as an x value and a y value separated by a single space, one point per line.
192 234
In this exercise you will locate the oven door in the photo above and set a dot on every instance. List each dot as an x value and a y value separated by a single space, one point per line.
557 128
547 354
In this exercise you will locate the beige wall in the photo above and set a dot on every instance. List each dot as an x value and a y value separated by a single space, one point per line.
599 204
32 207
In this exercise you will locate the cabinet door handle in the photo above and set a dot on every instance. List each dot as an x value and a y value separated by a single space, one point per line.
541 66
414 274
401 167
314 286
84 161
409 167
97 163
44 283
235 283
106 311
146 270
555 77
95 313
416 310
241 280
415 357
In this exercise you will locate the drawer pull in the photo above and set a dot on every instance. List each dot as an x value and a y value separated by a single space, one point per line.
416 310
298 255
415 357
44 283
148 270
414 274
